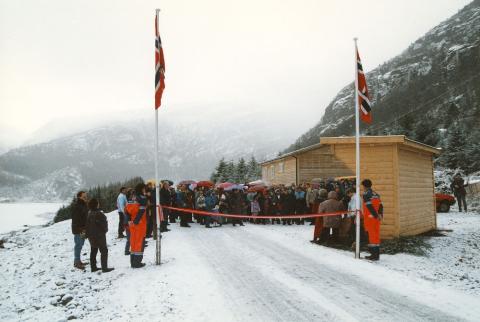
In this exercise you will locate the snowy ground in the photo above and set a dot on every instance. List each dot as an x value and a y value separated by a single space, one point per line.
251 273
453 261
16 216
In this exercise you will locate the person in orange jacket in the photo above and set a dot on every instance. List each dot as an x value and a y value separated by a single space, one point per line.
372 216
137 225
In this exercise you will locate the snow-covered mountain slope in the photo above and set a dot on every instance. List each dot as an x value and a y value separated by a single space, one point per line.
251 273
414 92
190 147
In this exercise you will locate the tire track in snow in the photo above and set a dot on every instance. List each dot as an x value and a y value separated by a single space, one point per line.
266 281
255 295
355 294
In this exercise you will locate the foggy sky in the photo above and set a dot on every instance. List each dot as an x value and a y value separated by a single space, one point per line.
63 58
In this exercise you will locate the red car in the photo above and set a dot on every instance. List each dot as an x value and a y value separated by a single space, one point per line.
443 202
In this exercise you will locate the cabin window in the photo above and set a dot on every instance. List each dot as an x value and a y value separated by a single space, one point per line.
264 173
281 167
272 171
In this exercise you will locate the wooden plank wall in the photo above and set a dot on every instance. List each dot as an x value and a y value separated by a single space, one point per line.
416 196
286 177
376 164
321 163
401 175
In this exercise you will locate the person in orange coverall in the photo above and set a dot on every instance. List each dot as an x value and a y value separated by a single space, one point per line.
137 225
372 216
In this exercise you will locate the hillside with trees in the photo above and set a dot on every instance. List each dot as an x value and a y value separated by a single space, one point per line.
430 93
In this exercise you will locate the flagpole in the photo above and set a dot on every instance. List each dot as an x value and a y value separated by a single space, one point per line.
357 158
158 248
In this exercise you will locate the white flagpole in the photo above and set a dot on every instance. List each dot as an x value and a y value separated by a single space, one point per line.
357 158
158 253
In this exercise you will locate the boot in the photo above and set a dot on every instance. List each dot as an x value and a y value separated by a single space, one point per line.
79 265
370 250
136 261
374 253
94 269
106 270
139 265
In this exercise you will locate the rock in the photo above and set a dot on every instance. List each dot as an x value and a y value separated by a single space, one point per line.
53 302
66 298
59 282
72 317
72 304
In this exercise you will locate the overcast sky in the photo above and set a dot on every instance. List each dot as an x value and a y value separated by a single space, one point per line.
62 58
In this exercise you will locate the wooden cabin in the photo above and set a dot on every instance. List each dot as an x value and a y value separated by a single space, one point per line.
401 171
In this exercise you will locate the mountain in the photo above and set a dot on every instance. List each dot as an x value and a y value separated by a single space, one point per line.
190 147
9 138
425 92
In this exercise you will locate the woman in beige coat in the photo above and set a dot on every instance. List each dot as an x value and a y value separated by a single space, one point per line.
328 206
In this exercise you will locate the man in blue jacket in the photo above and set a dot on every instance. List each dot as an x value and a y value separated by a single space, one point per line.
121 203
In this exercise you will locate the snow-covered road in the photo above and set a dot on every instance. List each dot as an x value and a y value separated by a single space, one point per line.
251 273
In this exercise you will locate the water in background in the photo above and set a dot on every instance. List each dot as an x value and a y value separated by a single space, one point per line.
13 216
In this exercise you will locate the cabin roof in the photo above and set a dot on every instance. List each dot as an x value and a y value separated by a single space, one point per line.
390 139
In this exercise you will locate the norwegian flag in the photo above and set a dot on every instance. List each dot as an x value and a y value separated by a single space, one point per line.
159 67
363 97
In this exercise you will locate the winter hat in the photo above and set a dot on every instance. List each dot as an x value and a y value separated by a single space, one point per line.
332 195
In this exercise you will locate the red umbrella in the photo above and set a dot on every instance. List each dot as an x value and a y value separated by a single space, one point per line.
225 185
257 189
186 182
206 184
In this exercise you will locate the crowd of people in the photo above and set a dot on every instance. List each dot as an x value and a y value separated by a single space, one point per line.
137 216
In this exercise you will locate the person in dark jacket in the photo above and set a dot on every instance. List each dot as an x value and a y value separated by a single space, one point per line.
165 200
288 205
300 203
210 203
180 200
97 227
458 189
237 205
79 223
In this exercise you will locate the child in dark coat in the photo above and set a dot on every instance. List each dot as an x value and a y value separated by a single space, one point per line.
97 228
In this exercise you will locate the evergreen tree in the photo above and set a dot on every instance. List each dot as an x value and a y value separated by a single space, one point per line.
407 126
230 172
106 195
452 115
254 170
473 152
426 132
220 173
454 154
241 173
